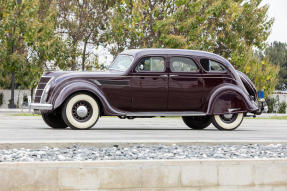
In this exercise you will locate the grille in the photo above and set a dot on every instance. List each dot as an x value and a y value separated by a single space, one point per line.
40 88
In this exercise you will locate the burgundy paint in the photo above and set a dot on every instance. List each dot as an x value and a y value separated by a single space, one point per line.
121 92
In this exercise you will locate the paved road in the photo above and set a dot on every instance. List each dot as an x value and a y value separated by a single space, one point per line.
31 128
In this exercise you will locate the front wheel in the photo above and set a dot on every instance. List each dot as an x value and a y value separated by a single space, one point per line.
197 122
227 122
81 111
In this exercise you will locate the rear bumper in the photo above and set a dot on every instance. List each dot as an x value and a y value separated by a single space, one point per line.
262 106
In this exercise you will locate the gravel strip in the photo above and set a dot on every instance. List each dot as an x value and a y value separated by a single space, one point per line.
145 152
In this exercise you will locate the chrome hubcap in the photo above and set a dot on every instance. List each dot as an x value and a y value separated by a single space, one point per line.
82 111
229 118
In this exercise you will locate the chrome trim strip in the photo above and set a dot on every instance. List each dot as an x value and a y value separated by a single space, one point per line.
43 98
97 82
233 109
114 82
165 113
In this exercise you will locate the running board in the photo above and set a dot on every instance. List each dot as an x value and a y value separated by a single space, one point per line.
164 113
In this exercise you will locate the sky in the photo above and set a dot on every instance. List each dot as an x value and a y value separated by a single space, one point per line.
278 10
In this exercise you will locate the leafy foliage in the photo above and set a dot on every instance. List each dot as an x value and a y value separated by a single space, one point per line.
282 107
28 40
218 26
262 72
229 28
83 23
277 53
271 103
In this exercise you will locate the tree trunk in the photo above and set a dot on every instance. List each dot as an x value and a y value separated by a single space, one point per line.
84 55
32 92
74 63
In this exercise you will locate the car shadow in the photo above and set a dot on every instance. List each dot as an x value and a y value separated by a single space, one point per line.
144 129
157 129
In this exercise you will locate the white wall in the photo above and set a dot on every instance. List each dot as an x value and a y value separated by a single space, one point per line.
18 97
282 96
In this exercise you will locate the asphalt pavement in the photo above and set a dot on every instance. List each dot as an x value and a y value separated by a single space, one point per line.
32 128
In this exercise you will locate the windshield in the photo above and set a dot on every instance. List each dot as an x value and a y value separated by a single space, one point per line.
121 63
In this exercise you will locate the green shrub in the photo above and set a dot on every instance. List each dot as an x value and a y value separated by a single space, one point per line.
1 99
271 103
275 106
282 107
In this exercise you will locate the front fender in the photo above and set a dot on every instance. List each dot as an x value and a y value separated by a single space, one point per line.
228 98
62 93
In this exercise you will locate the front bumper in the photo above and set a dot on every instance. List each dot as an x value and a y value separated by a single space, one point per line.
38 107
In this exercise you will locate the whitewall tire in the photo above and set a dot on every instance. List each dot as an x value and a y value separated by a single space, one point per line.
227 122
81 111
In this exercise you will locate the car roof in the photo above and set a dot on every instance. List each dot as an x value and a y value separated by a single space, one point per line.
150 51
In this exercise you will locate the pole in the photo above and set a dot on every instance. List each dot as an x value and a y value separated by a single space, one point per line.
12 104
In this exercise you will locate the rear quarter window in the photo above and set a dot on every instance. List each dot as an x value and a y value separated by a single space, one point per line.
212 66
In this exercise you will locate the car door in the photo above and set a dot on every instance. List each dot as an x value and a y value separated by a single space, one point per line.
149 85
185 85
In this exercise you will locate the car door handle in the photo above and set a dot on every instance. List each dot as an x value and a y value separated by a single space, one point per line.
173 75
164 75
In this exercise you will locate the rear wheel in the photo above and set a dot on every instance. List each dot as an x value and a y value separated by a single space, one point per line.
81 111
54 119
197 122
227 122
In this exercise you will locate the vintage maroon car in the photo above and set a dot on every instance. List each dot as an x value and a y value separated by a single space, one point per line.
201 87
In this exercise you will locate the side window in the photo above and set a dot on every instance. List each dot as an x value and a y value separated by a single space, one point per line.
212 66
182 64
151 64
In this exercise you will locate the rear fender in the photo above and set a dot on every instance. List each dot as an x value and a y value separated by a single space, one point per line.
228 98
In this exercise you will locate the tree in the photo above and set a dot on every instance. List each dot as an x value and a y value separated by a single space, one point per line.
83 23
133 23
17 20
277 53
28 41
230 28
262 72
213 25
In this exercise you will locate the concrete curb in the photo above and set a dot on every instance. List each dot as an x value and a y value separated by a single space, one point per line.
169 175
15 111
61 144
